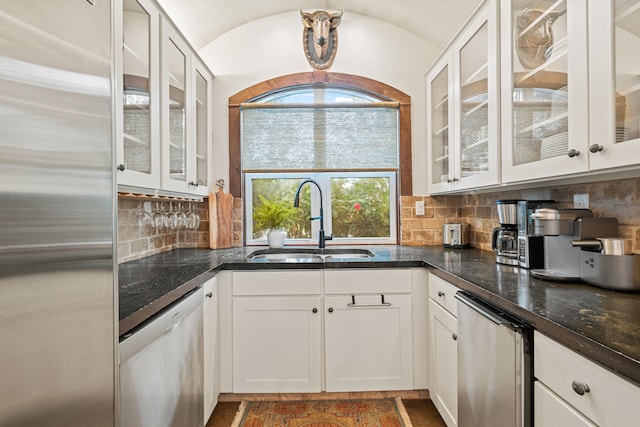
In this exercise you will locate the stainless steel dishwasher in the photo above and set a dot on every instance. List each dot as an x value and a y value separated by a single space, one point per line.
161 369
494 366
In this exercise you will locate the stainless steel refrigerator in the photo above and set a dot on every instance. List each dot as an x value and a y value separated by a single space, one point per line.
57 209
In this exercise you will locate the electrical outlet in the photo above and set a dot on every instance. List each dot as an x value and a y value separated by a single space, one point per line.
420 208
581 201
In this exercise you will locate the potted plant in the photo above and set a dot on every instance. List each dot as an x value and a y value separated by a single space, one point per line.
273 215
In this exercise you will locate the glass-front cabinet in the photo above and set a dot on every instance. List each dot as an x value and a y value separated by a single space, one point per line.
614 86
164 98
138 96
439 116
545 88
463 111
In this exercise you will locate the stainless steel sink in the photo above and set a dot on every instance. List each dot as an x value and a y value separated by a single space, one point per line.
309 254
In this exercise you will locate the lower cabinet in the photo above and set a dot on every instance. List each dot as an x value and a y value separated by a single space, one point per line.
443 366
571 390
211 361
282 342
277 321
368 342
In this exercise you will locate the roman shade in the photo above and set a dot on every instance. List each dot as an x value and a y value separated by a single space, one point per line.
319 137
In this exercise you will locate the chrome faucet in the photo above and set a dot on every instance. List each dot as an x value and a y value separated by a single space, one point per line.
296 203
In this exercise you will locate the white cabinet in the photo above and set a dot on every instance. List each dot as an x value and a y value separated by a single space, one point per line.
277 318
368 330
443 366
545 103
163 104
614 89
570 387
210 343
463 108
282 342
571 91
137 98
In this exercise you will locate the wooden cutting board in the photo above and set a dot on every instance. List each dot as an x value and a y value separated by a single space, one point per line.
220 220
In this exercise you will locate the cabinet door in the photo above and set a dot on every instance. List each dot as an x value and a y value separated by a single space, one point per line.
202 118
439 118
551 411
614 86
544 93
138 95
211 359
176 110
368 342
443 369
476 100
276 345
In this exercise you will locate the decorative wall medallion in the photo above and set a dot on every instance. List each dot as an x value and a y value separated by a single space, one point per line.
320 37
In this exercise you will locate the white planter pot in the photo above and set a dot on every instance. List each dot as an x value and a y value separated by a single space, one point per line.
276 238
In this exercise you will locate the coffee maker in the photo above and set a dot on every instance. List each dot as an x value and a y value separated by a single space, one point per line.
504 239
530 243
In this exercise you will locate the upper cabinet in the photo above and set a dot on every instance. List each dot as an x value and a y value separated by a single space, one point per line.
463 108
614 89
164 108
569 73
545 88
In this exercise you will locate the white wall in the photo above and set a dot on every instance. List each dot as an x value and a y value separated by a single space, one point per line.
272 47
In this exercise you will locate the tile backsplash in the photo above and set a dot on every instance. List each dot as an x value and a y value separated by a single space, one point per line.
619 199
137 242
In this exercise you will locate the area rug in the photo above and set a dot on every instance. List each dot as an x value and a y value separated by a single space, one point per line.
323 413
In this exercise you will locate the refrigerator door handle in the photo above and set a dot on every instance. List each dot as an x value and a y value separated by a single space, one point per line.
486 312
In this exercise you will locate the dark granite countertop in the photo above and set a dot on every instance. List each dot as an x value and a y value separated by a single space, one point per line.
601 324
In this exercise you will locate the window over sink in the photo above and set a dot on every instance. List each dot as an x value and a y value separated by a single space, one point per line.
346 140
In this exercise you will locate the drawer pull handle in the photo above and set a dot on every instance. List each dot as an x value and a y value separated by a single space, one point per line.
440 293
383 303
580 388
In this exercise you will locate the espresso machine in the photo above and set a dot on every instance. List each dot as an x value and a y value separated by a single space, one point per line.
530 244
504 239
561 230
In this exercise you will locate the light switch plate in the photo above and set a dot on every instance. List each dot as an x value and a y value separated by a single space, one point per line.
420 208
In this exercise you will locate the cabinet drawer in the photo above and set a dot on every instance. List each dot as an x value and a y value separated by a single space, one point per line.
443 293
292 282
552 411
370 280
610 401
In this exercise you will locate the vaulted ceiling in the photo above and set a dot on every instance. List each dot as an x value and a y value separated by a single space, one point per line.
434 21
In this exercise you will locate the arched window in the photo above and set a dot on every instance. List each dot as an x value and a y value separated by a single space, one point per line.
347 136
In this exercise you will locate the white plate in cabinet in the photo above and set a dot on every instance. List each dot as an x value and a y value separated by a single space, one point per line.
599 394
368 345
443 293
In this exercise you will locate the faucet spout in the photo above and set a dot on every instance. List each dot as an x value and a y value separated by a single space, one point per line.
296 203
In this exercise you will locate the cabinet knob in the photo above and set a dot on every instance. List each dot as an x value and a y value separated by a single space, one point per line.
455 179
209 294
120 167
440 293
594 148
573 153
330 310
454 336
194 184
580 388
449 181
315 310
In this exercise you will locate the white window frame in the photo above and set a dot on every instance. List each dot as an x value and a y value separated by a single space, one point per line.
324 180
